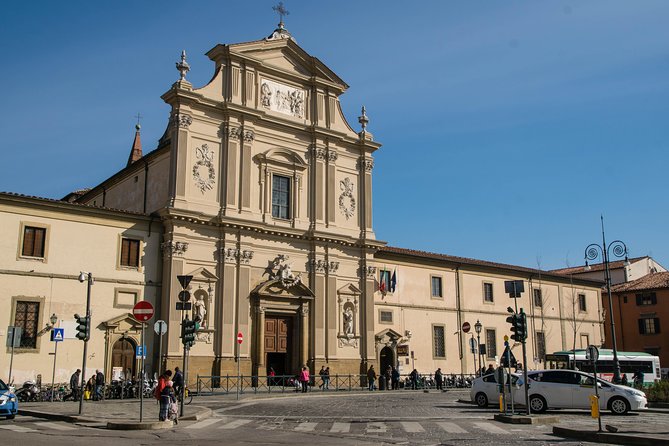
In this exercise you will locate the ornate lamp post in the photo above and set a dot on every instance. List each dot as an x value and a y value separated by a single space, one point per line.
619 249
478 327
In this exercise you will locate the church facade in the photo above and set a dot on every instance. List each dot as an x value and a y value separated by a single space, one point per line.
262 192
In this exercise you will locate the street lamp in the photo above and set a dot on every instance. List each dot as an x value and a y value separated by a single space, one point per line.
85 277
478 327
619 249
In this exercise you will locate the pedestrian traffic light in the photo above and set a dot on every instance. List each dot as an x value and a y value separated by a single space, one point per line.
83 327
188 329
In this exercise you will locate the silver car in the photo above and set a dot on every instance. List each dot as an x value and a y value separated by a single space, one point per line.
571 389
485 389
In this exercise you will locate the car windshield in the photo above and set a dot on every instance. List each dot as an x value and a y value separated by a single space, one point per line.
3 386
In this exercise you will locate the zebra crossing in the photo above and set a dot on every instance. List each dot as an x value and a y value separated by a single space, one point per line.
36 427
346 427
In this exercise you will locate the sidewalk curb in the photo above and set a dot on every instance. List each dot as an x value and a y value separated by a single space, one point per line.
609 438
145 426
57 416
203 414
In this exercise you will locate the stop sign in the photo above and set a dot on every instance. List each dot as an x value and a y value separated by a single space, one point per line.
240 338
143 311
466 327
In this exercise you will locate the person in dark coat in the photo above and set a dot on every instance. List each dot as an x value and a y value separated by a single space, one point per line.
99 386
167 397
178 382
74 386
439 379
395 378
371 377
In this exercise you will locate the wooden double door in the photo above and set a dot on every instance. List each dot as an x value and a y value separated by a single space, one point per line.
278 344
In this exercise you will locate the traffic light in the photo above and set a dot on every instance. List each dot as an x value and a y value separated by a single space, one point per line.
83 327
188 329
518 323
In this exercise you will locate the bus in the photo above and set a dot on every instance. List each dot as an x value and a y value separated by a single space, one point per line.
630 362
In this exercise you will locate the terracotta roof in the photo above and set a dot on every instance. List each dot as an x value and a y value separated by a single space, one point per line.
67 203
594 267
652 281
476 262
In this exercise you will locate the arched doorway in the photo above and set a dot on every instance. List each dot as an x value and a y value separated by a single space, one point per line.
386 359
123 356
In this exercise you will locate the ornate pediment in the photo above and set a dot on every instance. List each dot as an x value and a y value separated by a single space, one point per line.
282 157
121 323
277 288
349 290
203 275
388 337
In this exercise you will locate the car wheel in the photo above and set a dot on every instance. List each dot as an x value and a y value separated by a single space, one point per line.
538 404
619 406
481 399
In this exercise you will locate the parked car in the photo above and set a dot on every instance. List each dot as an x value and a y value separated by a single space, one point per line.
8 402
485 389
571 389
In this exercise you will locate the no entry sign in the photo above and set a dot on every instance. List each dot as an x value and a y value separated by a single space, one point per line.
143 311
240 338
466 327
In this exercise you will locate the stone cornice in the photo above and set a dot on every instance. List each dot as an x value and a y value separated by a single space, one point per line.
76 277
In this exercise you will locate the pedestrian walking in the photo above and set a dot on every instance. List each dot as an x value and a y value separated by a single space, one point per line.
413 376
326 380
99 386
395 378
439 379
270 376
321 373
371 377
162 382
167 398
304 378
74 386
178 382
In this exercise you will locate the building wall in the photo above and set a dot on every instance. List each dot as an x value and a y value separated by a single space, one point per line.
77 239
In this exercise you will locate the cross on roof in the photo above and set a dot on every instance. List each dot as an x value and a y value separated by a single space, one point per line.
138 118
281 10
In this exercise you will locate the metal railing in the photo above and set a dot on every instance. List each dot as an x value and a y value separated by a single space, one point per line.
212 385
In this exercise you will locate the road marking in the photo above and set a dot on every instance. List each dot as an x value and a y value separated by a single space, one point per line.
412 426
376 427
18 429
305 427
57 426
341 428
204 423
490 428
451 428
235 424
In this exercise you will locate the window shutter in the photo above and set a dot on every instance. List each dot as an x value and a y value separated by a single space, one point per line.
638 299
657 325
641 325
133 256
28 241
124 252
39 242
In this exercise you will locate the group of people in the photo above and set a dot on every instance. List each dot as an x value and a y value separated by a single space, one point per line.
388 379
94 388
166 392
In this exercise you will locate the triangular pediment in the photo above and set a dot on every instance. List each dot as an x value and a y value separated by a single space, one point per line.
349 290
284 55
277 288
123 322
203 275
389 334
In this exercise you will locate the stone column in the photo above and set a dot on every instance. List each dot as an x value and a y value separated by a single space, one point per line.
260 341
304 342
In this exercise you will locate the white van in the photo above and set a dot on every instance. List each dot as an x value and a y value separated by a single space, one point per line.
571 389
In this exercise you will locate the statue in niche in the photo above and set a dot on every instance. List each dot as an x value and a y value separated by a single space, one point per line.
200 310
348 321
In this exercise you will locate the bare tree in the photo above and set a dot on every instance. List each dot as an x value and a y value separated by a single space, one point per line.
572 299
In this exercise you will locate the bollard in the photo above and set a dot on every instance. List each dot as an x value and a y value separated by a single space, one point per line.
594 406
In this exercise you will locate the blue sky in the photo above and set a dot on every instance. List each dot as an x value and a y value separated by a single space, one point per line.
507 127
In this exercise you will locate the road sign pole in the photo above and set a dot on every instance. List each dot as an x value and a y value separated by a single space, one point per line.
160 355
11 357
53 374
508 362
89 278
525 384
141 385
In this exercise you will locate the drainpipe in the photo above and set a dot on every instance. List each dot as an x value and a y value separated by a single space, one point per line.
458 308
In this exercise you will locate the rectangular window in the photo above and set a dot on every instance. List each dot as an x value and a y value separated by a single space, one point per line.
27 317
649 325
581 303
386 317
438 341
33 241
384 281
491 343
646 299
585 340
130 252
487 292
541 345
280 197
436 287
538 298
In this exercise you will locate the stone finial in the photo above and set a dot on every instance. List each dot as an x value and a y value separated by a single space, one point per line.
364 120
183 66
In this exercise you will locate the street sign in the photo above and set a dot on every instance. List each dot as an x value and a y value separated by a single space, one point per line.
57 334
466 327
184 281
402 350
143 311
514 288
14 336
240 338
504 361
141 352
472 344
184 296
592 353
184 306
160 327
